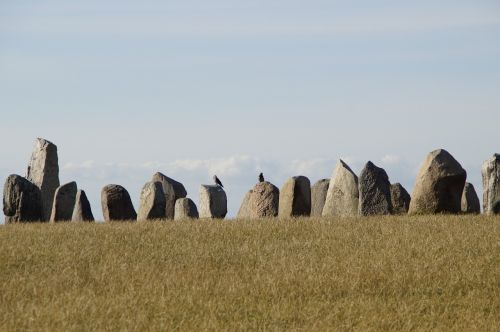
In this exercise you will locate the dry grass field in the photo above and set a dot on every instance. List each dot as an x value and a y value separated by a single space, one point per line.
392 273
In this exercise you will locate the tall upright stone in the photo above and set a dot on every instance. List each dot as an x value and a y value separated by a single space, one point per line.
374 191
82 210
213 202
43 171
491 185
470 200
342 198
319 190
264 201
116 204
439 185
400 199
153 203
295 197
64 202
172 190
185 209
22 200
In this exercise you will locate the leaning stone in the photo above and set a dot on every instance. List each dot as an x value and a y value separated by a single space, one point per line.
172 189
152 205
374 191
470 200
295 197
22 200
185 209
400 199
213 202
43 171
82 210
116 204
244 211
64 202
491 185
318 197
342 199
439 185
264 201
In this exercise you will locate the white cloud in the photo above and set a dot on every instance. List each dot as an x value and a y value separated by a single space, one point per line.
391 159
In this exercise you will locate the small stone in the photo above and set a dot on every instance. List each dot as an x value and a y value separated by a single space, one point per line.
64 202
342 199
153 204
172 190
213 202
82 210
244 211
400 199
374 191
185 209
22 200
116 204
264 201
318 197
491 185
470 200
295 197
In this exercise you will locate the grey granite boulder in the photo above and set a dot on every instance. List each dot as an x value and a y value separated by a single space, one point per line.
43 172
64 202
172 190
152 202
82 210
213 202
318 197
374 191
439 185
491 185
400 199
470 200
295 197
185 209
22 200
116 204
342 198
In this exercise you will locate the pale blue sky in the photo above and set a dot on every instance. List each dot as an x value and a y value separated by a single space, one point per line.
126 88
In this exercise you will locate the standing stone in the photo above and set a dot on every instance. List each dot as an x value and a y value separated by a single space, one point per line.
22 200
342 198
470 200
491 185
172 190
439 185
153 204
400 199
213 202
295 197
116 204
374 191
43 172
185 209
264 201
318 197
64 202
244 211
82 210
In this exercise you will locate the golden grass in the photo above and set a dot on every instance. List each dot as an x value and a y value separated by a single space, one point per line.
392 273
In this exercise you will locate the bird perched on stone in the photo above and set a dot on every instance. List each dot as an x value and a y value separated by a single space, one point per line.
217 181
261 177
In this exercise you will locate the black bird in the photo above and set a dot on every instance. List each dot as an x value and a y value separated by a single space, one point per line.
261 177
217 181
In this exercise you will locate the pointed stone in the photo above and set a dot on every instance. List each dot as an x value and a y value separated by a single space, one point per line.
295 197
400 199
439 185
172 189
374 191
116 204
342 199
64 202
185 209
22 200
153 203
318 197
491 185
244 211
82 210
213 202
43 171
470 200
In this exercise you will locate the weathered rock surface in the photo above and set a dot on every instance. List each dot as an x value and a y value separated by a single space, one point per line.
295 197
342 199
264 201
400 199
491 185
439 185
22 200
244 211
172 190
318 197
43 171
470 200
116 204
185 209
82 210
64 202
152 202
374 191
213 202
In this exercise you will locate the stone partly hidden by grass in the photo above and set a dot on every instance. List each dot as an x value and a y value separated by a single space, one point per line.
376 273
